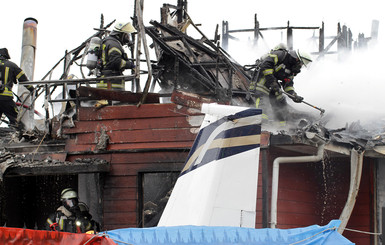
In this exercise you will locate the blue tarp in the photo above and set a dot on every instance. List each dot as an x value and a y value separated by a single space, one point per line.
314 234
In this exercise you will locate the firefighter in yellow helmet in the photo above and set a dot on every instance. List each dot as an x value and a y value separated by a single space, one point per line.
114 59
10 73
275 72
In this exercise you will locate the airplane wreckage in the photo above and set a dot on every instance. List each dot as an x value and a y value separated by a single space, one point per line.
125 158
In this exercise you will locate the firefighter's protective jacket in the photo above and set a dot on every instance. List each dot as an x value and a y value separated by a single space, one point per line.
67 221
10 73
277 68
115 61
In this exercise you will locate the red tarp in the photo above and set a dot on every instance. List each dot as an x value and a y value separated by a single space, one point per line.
26 236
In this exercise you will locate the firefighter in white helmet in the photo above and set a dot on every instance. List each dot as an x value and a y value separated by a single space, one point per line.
69 217
114 59
276 71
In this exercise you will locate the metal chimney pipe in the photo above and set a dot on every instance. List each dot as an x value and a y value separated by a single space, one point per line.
27 63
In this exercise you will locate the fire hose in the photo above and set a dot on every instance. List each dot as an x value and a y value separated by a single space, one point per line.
29 108
306 103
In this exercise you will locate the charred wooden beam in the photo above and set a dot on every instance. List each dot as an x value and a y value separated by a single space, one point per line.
57 169
321 45
191 53
211 65
215 52
289 35
175 32
225 34
191 100
79 81
217 67
204 81
123 96
256 30
275 28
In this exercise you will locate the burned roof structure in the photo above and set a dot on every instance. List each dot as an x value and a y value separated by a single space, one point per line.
197 66
111 154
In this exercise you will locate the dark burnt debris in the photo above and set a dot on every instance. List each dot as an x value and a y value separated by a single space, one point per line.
189 72
20 164
197 66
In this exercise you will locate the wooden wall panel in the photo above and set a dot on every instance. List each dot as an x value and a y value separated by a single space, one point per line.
120 181
119 220
150 157
315 193
259 207
128 124
133 169
72 146
297 206
295 220
132 111
119 206
128 193
149 138
138 136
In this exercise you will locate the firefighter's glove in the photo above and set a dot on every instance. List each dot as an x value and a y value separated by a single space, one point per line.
275 89
54 226
101 103
129 65
248 95
297 99
287 80
30 89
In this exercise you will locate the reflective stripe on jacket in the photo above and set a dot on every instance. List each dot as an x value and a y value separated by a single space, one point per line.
275 72
114 62
10 73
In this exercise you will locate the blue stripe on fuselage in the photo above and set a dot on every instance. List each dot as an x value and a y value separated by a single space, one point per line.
231 133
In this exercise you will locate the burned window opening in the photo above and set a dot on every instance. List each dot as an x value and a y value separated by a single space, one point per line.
27 201
154 194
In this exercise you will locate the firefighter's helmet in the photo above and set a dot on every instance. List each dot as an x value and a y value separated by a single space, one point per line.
4 53
124 27
69 198
68 193
280 46
304 57
83 207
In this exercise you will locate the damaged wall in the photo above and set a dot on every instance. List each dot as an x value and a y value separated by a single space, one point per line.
315 193
152 138
380 191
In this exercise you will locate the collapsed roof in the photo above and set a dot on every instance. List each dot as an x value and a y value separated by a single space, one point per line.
192 71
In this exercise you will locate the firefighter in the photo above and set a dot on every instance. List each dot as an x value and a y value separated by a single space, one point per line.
275 71
69 217
10 73
95 226
114 59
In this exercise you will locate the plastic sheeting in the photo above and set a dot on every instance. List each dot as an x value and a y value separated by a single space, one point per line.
26 236
326 235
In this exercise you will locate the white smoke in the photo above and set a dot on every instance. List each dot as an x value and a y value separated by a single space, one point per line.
349 87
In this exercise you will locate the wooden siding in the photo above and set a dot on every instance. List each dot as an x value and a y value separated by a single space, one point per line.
149 138
157 138
315 193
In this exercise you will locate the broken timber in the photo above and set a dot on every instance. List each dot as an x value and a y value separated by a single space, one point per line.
196 66
122 96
